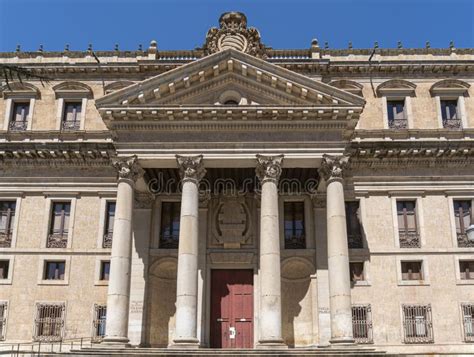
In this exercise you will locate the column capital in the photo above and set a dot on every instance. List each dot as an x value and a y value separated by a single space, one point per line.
191 168
128 168
269 168
332 167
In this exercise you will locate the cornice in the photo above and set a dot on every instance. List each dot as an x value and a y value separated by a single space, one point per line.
56 135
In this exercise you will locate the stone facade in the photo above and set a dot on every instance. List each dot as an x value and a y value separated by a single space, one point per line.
233 131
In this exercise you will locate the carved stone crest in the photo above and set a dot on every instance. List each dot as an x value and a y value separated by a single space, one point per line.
233 33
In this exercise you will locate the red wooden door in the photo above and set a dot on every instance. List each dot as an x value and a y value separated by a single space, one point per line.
231 308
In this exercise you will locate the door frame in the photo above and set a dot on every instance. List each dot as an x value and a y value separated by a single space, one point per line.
206 335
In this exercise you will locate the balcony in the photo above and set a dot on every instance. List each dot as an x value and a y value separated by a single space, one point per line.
409 239
57 240
398 124
18 125
107 240
5 239
464 242
70 125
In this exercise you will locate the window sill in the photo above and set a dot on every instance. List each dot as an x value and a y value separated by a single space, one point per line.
413 283
53 282
361 283
101 283
465 282
5 281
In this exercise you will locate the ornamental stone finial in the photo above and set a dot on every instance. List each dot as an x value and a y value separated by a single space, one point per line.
332 167
128 168
191 168
269 168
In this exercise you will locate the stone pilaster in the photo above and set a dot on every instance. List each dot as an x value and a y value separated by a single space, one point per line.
118 298
268 171
331 170
191 171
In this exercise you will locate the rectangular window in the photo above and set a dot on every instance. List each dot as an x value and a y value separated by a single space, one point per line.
353 223
72 115
59 227
357 271
468 321
98 324
449 114
109 225
417 324
3 319
170 218
412 270
4 267
54 270
49 322
407 224
294 225
19 120
463 219
466 269
7 217
396 114
362 323
104 270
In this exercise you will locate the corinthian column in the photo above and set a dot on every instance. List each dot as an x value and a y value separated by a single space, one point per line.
268 171
118 297
192 171
338 253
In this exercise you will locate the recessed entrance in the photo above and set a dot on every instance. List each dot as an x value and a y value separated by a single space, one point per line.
231 308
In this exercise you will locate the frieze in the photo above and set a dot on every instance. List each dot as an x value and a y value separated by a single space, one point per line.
231 257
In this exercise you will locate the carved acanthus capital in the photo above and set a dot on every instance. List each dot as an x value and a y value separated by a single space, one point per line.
332 167
269 168
128 168
191 168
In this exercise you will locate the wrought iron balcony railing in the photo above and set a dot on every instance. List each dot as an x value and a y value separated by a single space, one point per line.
57 240
452 124
5 239
398 124
409 239
464 242
20 125
70 125
107 241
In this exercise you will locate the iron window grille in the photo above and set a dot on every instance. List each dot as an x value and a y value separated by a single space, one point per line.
362 323
407 225
59 228
170 222
463 219
417 324
7 215
3 319
354 227
99 322
109 225
468 321
49 322
450 115
294 225
19 121
397 114
71 116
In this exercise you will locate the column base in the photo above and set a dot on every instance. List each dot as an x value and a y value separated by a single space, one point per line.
271 345
185 343
342 341
115 342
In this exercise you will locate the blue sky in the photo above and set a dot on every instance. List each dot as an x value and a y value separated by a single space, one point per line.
282 24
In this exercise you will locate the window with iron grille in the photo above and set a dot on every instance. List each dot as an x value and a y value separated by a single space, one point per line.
468 321
19 119
109 224
54 270
463 219
3 319
449 114
59 227
72 115
4 267
99 321
466 269
396 113
104 270
293 220
362 323
7 217
170 218
417 324
49 322
412 270
407 224
354 228
357 271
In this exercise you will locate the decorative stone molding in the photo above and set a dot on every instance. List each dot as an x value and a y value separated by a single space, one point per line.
269 168
72 89
128 168
231 258
332 167
144 200
191 168
233 33
19 89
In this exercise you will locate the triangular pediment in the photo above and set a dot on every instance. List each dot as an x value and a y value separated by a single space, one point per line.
231 78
